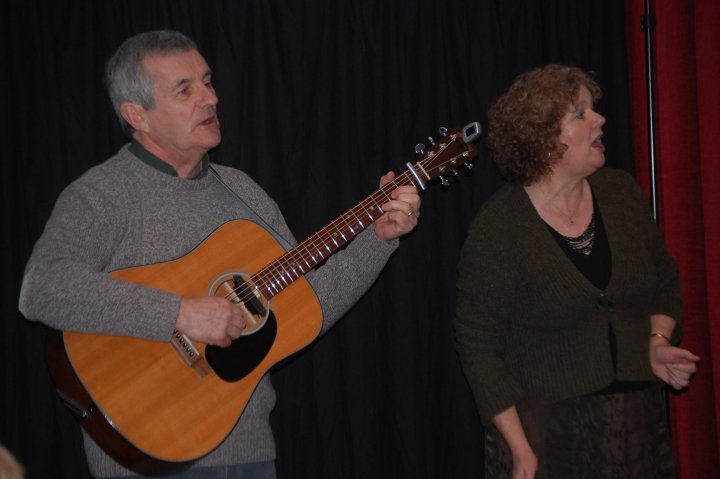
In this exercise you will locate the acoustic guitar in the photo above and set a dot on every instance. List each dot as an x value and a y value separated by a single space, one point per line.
156 407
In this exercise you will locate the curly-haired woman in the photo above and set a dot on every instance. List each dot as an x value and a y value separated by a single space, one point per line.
569 305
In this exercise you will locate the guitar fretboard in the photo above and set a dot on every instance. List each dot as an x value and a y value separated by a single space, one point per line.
305 256
453 150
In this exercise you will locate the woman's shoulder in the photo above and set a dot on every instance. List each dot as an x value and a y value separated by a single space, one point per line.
505 212
509 201
619 194
612 178
504 198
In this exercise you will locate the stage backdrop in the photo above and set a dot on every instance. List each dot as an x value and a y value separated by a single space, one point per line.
687 61
317 100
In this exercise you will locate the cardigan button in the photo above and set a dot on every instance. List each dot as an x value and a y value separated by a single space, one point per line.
604 304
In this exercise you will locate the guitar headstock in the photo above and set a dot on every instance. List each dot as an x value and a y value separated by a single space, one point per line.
451 151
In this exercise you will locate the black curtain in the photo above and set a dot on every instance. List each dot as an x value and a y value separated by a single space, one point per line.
318 98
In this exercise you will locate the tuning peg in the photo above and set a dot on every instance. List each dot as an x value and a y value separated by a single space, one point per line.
469 166
432 142
419 149
444 182
443 131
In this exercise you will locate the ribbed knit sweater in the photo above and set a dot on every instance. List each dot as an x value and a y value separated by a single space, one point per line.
528 327
125 212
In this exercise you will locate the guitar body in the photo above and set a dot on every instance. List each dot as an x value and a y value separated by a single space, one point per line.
160 412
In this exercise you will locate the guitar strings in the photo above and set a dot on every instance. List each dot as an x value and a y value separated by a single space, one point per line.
276 271
292 260
271 277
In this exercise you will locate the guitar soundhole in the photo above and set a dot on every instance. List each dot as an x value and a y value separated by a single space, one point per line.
246 352
237 288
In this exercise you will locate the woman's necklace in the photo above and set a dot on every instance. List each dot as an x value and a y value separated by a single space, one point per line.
550 200
584 243
570 216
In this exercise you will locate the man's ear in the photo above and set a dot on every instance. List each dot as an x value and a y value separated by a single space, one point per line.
134 114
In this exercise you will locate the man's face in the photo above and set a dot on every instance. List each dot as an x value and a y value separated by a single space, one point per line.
183 123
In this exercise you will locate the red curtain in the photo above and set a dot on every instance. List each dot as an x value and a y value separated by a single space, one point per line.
687 158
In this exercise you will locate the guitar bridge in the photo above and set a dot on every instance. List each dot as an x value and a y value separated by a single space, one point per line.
189 354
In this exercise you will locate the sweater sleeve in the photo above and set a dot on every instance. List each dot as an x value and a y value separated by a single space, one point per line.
346 276
668 297
66 284
486 288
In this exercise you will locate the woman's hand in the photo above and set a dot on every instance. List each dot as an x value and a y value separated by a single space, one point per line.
525 463
675 366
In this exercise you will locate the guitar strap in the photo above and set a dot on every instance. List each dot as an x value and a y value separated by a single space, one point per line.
252 215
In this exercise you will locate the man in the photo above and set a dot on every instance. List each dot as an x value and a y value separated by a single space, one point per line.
155 200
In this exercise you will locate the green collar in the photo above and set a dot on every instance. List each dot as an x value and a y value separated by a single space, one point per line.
153 161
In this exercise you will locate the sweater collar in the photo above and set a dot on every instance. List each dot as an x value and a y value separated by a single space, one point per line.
154 162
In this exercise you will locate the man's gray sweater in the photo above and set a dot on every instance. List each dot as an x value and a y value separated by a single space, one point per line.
125 212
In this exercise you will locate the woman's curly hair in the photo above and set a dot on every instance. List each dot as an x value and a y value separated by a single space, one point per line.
524 124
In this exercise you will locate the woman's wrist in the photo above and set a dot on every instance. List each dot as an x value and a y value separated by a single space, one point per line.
656 334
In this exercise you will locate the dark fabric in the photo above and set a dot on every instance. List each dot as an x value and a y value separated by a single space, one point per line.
602 436
524 309
253 470
685 164
317 100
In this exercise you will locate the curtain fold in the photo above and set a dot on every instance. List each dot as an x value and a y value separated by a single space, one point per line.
687 60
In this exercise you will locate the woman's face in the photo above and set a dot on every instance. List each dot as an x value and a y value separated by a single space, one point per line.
581 132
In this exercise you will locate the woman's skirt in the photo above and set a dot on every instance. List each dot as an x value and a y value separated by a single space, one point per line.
622 435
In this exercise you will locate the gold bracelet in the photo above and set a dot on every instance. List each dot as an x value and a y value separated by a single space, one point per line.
662 336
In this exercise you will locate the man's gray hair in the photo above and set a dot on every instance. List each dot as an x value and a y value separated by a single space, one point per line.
125 77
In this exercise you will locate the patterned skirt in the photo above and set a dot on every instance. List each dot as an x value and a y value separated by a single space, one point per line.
623 435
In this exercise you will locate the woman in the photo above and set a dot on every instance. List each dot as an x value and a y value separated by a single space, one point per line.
568 303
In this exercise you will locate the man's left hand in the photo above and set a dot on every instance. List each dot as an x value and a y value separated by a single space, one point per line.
401 212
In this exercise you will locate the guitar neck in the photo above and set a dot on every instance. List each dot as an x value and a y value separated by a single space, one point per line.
451 151
305 256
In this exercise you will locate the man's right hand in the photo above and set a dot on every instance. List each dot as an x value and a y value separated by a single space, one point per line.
211 320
